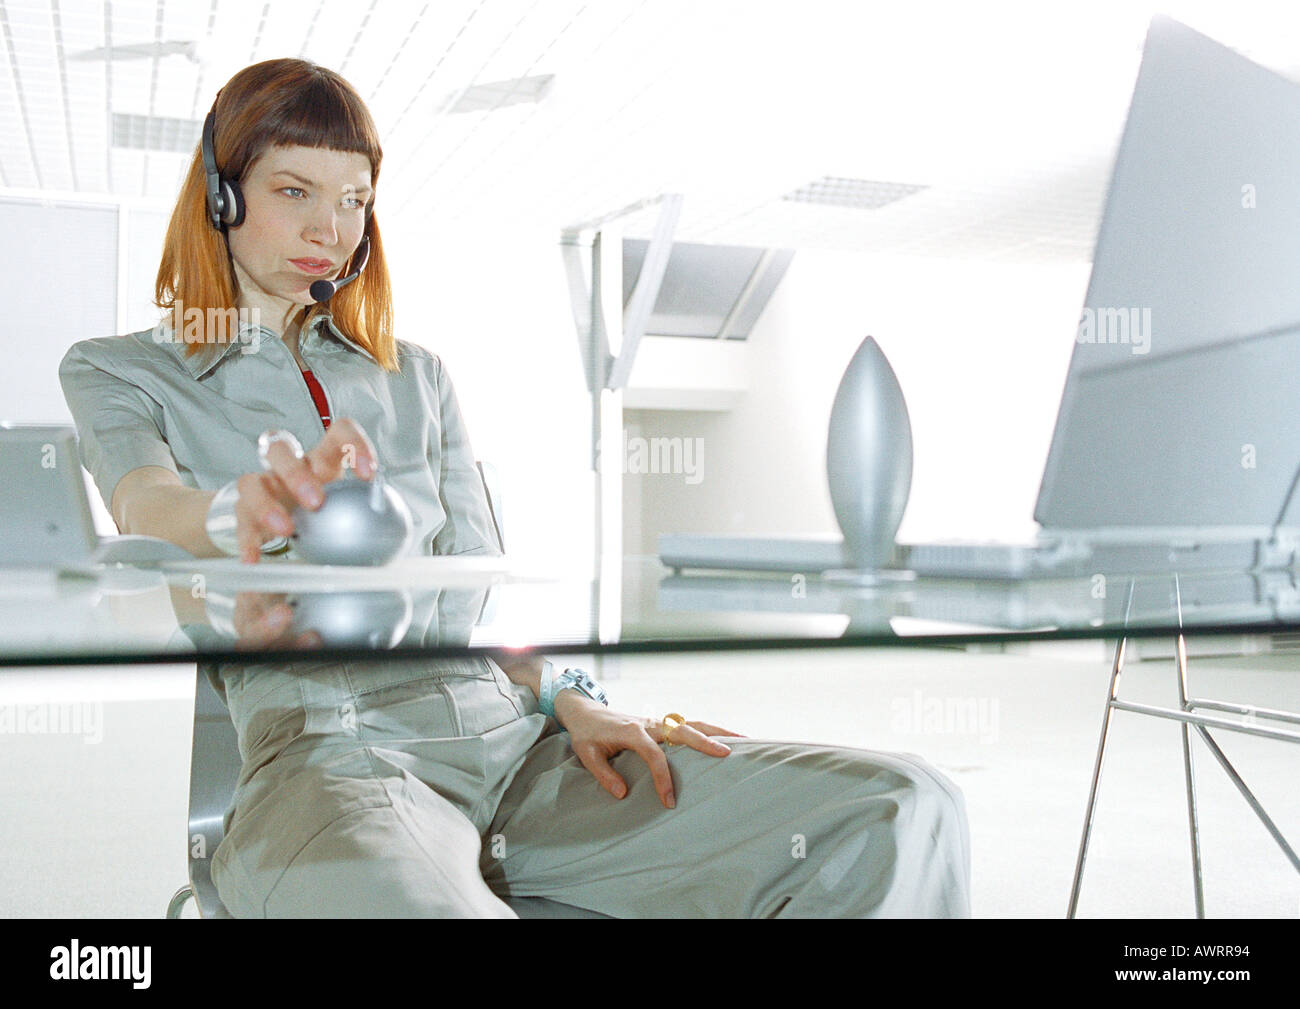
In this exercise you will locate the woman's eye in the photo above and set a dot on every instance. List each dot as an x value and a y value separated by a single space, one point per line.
293 189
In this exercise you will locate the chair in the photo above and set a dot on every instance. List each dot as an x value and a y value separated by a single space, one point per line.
214 772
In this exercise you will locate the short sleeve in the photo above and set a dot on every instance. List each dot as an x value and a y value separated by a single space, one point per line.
118 424
469 528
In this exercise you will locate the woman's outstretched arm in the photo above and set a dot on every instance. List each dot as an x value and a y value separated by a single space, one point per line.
153 501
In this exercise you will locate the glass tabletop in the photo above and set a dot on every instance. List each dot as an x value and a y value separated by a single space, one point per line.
450 606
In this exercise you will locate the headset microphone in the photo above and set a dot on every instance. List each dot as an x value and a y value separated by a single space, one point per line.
323 290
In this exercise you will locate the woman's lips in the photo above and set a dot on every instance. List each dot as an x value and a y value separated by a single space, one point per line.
308 266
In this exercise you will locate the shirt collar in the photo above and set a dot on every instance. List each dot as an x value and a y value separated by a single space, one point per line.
200 364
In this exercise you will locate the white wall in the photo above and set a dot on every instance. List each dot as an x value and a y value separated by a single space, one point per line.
495 307
980 351
145 230
58 283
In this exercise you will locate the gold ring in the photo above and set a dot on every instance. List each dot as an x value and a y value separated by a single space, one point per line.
672 721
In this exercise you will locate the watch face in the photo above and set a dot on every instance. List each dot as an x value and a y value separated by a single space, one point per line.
580 680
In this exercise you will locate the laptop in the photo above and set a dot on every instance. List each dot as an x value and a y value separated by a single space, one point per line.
1177 441
45 516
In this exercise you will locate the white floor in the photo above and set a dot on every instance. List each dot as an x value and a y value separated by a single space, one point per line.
92 820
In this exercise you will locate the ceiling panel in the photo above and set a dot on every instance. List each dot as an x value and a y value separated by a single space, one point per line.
1008 112
30 37
16 168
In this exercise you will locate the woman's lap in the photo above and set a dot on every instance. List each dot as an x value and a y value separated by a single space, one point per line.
773 827
373 819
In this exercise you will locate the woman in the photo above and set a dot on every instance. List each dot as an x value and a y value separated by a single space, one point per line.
432 787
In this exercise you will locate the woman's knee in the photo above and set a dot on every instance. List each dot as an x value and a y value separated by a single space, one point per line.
366 863
929 795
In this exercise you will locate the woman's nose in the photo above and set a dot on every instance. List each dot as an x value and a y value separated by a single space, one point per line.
323 228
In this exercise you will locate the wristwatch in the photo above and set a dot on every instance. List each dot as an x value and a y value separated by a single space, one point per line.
577 679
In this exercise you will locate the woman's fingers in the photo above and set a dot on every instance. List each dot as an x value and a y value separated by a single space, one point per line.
261 514
644 735
689 734
293 481
594 760
659 769
262 626
267 500
714 730
694 732
345 446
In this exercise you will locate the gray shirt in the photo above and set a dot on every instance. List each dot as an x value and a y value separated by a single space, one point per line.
138 400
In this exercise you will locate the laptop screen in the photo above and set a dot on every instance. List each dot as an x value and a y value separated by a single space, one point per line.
43 498
1181 407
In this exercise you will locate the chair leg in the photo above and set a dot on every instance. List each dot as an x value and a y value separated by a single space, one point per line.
177 903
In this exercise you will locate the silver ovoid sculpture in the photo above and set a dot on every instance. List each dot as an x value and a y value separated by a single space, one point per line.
869 458
361 522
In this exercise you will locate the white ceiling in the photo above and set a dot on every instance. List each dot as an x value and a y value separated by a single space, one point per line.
1007 112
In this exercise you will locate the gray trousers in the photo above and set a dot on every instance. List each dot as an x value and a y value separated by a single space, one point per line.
435 787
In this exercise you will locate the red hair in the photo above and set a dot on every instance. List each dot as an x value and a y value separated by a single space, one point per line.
281 102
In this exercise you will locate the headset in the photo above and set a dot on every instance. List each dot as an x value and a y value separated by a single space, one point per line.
225 199
226 206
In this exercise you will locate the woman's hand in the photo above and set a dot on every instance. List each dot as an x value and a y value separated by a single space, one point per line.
597 734
264 620
266 502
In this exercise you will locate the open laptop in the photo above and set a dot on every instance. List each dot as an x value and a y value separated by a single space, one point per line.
45 516
1177 442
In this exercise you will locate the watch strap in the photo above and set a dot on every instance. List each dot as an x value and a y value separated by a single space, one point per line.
576 679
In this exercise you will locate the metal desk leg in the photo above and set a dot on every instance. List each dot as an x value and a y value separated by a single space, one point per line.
1189 716
1180 654
1249 796
1116 669
1180 648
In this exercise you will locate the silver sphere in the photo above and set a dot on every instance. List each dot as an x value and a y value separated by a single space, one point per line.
361 523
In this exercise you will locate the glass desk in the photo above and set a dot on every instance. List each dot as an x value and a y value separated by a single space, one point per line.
209 611
447 606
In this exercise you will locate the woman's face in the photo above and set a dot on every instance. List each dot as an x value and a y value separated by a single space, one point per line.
305 206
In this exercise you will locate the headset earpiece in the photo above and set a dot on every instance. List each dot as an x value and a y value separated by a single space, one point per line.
224 198
234 200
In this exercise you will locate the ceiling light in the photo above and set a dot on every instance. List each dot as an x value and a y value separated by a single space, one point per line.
155 133
517 91
861 193
141 51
